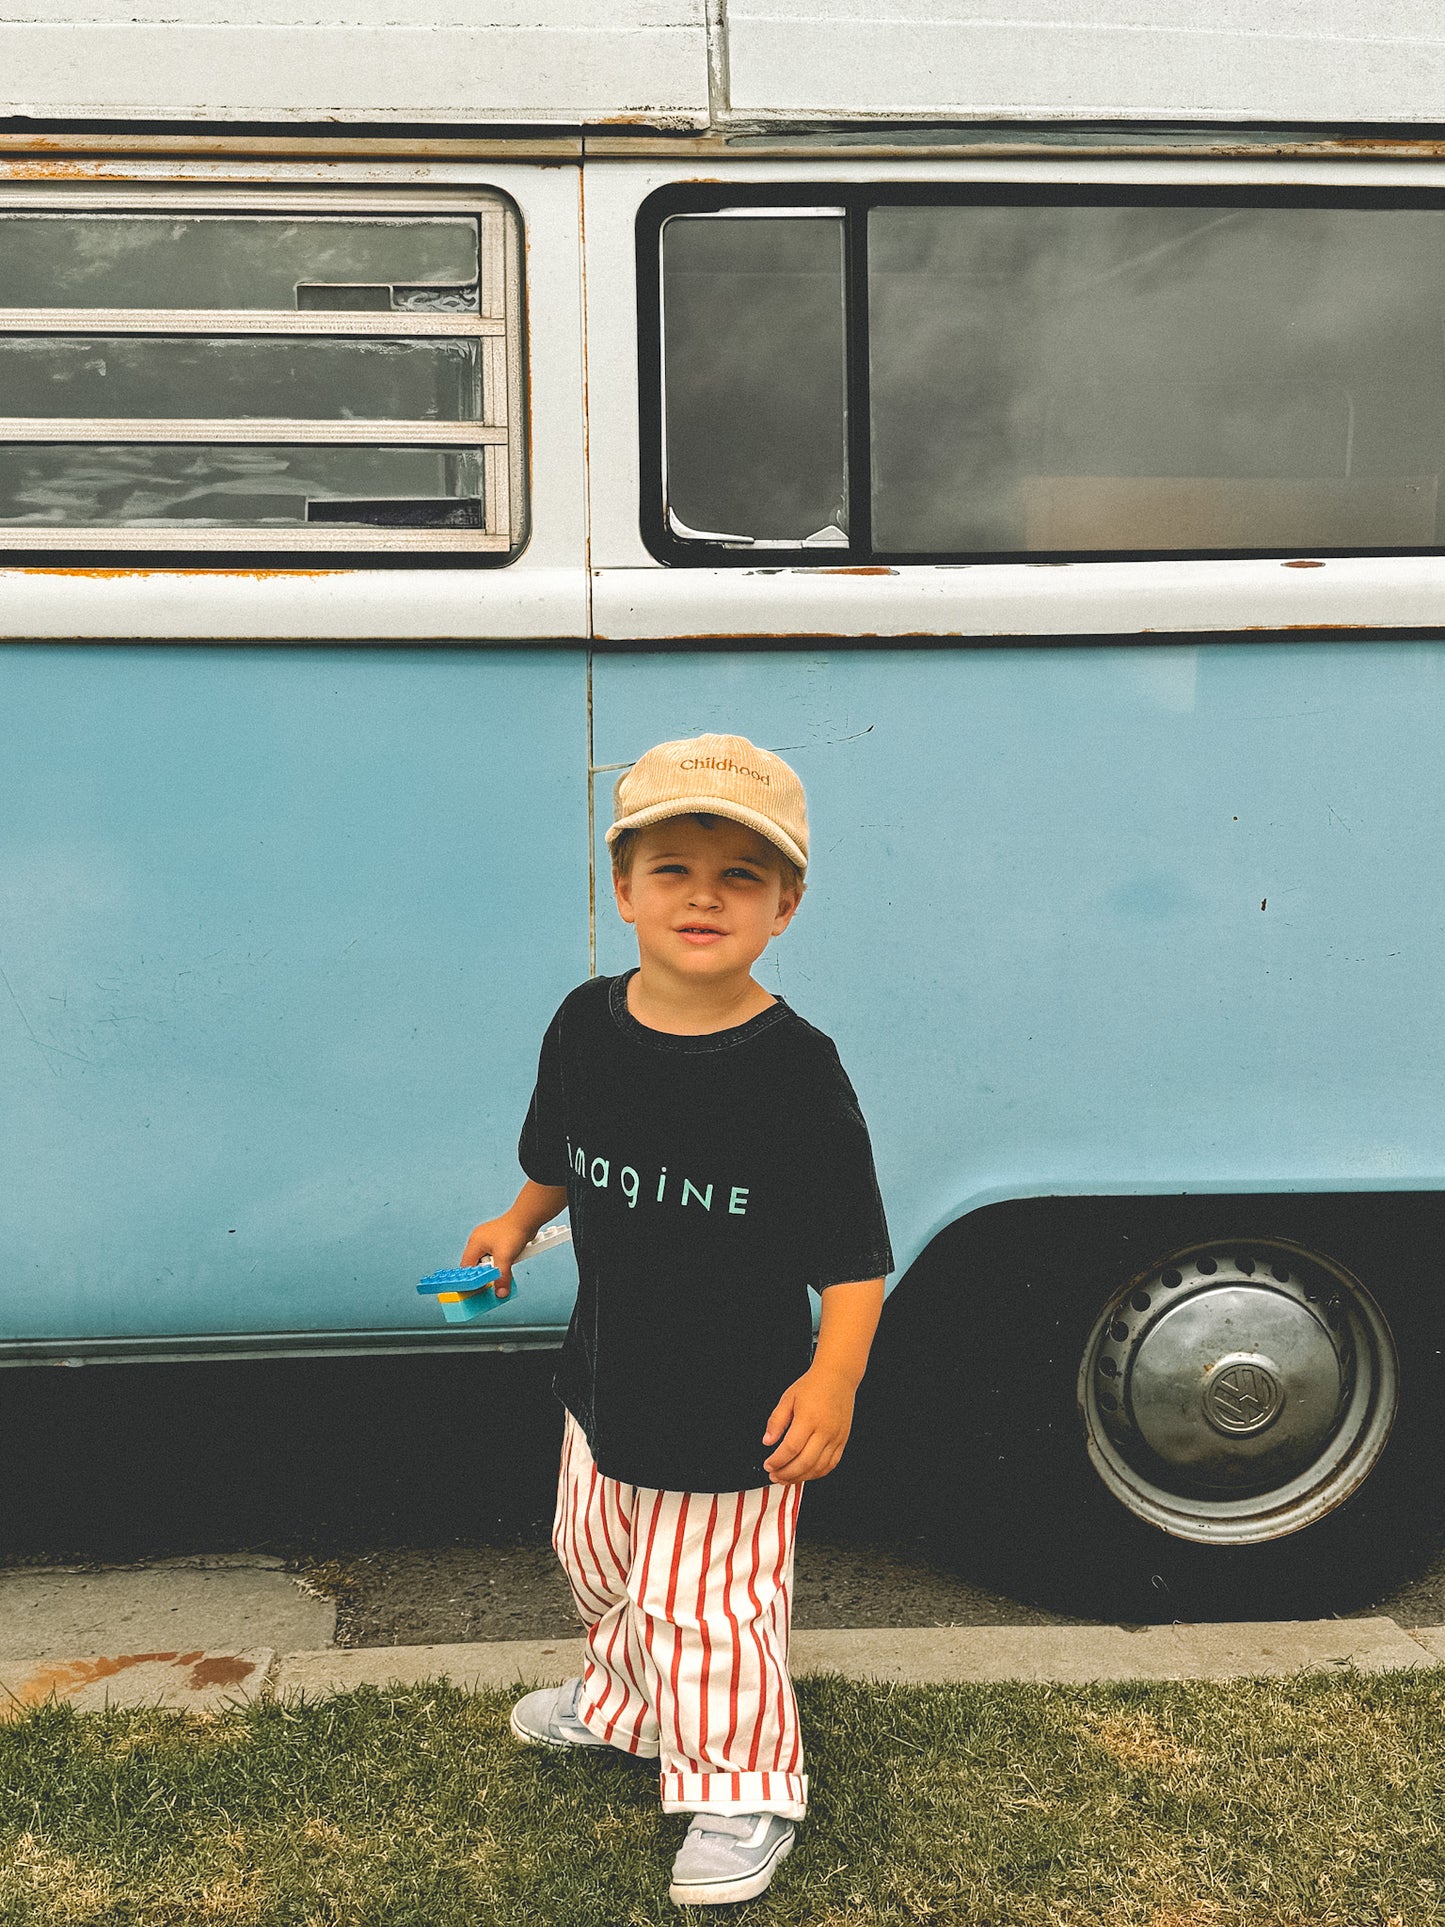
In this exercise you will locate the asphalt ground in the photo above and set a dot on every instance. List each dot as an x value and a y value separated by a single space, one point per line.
418 1492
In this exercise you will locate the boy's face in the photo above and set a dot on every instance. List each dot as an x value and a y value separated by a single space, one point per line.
705 896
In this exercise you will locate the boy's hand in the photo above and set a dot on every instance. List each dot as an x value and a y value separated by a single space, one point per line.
500 1240
812 1419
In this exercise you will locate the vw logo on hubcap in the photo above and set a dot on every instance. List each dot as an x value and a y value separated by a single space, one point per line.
1243 1395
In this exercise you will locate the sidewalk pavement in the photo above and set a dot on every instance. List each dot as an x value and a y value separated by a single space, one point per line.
217 1602
203 1681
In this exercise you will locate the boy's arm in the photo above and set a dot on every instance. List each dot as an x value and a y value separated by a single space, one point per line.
811 1421
500 1239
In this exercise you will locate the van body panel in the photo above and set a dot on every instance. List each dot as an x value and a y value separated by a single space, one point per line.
1322 60
685 64
1099 920
541 62
281 931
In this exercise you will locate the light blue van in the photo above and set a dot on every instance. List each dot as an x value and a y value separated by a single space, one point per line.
1062 498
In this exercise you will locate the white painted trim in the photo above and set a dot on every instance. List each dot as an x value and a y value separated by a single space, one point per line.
1044 600
312 603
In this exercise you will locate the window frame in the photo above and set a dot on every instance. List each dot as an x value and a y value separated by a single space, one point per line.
857 199
498 325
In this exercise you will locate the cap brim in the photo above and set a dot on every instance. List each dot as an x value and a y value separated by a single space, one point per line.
712 806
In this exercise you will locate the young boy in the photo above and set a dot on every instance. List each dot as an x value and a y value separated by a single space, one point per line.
716 1166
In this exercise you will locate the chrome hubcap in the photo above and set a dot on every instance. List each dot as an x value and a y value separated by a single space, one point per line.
1238 1392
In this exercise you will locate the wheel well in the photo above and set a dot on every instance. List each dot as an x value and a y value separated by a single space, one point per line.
1080 1248
970 1406
994 1316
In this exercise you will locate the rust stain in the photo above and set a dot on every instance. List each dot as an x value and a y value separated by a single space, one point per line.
60 171
795 637
1306 628
870 570
137 144
1304 565
251 575
650 123
72 1675
68 1677
1377 144
220 1670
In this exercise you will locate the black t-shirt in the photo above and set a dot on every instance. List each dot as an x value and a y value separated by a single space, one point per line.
711 1181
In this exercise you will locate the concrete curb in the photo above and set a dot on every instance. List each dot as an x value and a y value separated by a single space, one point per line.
1070 1655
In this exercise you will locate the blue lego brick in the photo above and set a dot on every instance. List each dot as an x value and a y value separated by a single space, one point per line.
464 1292
458 1278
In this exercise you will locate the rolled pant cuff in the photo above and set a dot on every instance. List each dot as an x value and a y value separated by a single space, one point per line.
597 1724
785 1794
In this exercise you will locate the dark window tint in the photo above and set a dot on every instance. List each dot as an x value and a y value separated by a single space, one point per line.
1155 377
755 378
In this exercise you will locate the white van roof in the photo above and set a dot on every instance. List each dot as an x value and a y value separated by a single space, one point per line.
513 64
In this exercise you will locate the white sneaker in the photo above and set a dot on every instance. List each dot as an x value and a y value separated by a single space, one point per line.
729 1856
548 1717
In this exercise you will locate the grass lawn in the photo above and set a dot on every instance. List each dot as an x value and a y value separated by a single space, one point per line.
1316 1800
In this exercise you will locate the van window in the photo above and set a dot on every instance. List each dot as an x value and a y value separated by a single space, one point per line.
756 377
1085 373
204 380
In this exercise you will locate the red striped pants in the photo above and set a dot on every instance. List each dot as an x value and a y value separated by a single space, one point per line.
686 1598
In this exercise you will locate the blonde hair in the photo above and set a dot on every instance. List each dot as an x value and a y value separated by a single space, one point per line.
624 855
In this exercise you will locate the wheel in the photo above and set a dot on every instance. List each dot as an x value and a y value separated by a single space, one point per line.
1273 1445
1238 1392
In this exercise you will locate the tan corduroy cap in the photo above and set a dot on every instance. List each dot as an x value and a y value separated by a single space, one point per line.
715 776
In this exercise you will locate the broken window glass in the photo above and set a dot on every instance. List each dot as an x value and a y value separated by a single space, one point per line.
755 378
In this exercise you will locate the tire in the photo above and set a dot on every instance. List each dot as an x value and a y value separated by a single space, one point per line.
981 1358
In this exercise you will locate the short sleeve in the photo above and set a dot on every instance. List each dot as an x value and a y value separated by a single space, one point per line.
542 1147
840 1223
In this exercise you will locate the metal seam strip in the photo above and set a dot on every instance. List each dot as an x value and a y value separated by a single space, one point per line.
100 537
242 321
276 429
